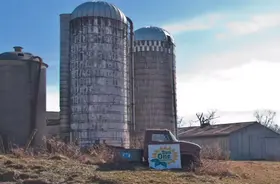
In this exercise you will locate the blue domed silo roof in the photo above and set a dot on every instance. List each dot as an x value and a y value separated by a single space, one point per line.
152 33
98 9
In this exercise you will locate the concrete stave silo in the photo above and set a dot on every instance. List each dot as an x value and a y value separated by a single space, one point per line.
154 80
64 77
22 97
98 84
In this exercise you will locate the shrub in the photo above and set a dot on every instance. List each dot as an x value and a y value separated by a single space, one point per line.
214 152
213 162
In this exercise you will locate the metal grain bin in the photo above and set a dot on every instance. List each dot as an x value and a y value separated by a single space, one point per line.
96 88
22 97
155 83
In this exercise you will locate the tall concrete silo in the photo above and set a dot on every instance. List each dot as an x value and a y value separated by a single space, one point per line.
154 74
22 97
94 95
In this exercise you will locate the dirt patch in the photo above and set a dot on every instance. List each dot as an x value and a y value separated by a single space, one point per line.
8 176
25 176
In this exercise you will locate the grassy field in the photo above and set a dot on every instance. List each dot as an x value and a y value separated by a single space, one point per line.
60 169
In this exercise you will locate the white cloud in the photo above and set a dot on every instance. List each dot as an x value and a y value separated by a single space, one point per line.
254 24
204 22
235 82
240 89
52 98
243 88
227 22
264 51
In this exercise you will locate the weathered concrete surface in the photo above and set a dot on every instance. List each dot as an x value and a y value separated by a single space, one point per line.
154 62
99 81
64 76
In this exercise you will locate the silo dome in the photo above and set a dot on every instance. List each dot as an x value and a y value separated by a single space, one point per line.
98 9
18 55
152 33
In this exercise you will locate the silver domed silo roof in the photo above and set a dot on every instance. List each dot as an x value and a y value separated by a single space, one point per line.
98 9
152 33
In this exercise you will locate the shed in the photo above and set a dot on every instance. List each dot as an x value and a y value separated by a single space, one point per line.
241 141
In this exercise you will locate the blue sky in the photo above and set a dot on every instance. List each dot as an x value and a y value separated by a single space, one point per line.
226 50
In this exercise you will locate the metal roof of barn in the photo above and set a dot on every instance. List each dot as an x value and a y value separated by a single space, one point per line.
212 130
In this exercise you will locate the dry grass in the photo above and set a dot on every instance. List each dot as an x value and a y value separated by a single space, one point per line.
61 163
41 170
214 152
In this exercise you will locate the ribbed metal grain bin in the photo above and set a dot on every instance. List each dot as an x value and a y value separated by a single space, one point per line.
98 74
155 83
22 98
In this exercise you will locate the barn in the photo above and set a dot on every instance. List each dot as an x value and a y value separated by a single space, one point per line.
240 141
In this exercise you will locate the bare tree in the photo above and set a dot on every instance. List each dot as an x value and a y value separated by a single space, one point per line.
266 117
180 122
207 118
276 128
190 123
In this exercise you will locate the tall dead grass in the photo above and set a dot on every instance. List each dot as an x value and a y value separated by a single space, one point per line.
56 149
55 146
137 142
215 162
214 157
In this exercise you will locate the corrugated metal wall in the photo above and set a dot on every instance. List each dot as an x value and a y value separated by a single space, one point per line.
220 144
18 82
41 108
255 142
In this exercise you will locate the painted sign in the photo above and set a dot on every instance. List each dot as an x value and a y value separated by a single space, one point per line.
164 156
